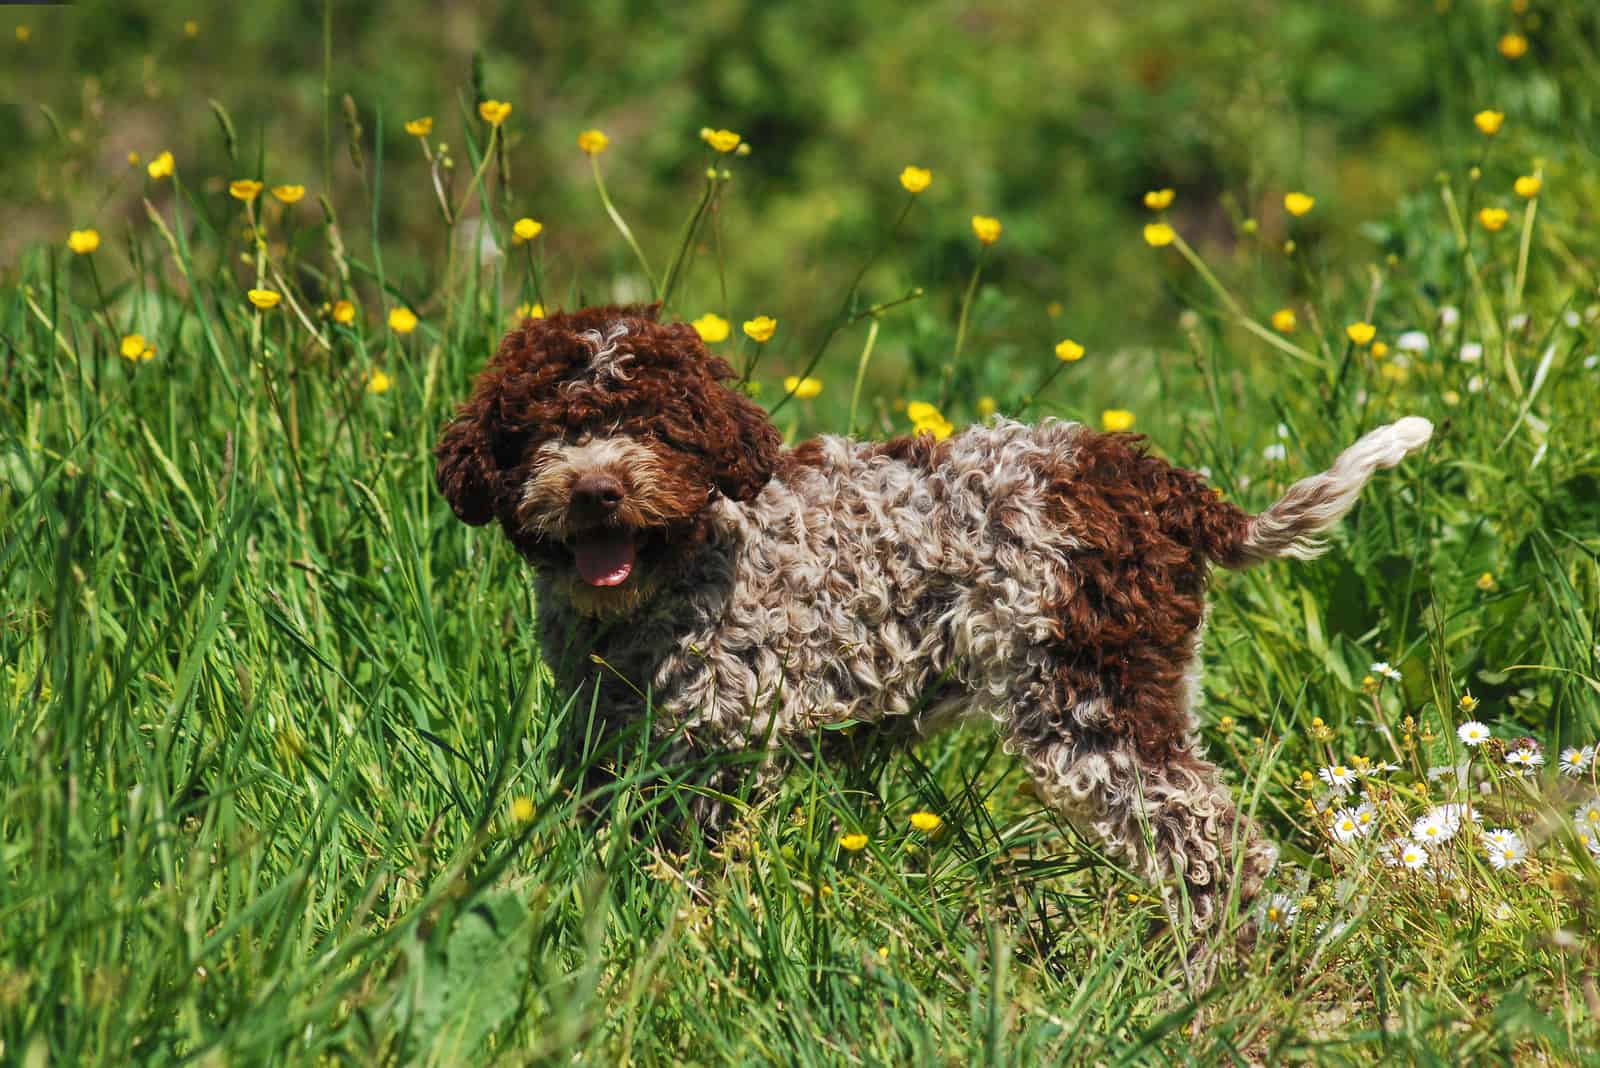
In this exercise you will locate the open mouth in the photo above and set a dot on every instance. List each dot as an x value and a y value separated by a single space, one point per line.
605 557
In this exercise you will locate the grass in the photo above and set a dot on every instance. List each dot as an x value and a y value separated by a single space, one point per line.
282 779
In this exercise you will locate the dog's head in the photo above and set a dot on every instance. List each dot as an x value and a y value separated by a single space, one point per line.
598 438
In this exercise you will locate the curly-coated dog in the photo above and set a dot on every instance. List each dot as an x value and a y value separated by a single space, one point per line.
1050 578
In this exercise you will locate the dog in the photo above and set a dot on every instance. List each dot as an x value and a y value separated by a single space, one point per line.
745 595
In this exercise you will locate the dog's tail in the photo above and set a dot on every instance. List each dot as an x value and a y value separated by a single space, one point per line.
1313 505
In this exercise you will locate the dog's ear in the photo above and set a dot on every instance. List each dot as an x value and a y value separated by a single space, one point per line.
465 468
748 447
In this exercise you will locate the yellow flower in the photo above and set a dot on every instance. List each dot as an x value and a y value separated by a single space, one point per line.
344 312
1513 46
529 311
593 142
1360 333
265 299
761 328
289 194
1298 203
1379 350
986 406
721 140
1468 703
915 179
804 388
1527 187
1489 122
23 33
245 189
420 127
1159 235
711 327
987 228
855 843
494 112
133 159
402 320
926 822
191 28
1159 199
136 348
1485 581
160 167
1115 420
1493 219
522 809
1284 321
1069 351
926 419
378 382
83 242
526 229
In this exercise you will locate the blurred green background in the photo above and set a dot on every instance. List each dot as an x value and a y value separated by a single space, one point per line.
1054 117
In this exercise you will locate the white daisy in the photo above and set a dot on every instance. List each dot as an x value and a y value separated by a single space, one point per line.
1471 352
1339 777
1571 318
1473 733
1575 761
1587 816
1508 854
1433 828
1383 668
1281 912
1590 841
1412 341
1517 321
1275 451
1346 827
1366 816
1413 856
1504 912
1523 761
1449 316
1453 813
1475 384
1499 836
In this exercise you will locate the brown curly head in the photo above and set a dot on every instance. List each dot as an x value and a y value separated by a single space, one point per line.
597 438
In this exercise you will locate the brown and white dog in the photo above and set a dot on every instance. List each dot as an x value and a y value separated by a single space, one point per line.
1050 578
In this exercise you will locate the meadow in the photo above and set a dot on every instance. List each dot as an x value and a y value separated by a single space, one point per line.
282 777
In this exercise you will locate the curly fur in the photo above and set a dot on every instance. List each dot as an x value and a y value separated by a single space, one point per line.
1047 577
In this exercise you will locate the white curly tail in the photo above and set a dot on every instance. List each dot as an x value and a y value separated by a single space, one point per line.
1312 505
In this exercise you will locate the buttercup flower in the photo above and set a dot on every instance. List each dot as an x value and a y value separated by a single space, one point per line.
245 189
915 179
1284 321
1069 351
402 320
136 349
494 112
1159 235
420 127
1513 46
1575 761
1159 199
1493 219
926 822
1298 203
1527 187
761 328
536 311
526 229
160 167
1485 581
344 313
854 843
378 382
1489 122
926 419
191 28
593 142
1338 776
804 388
289 194
521 806
711 327
986 406
1116 420
721 140
987 228
1360 333
265 299
83 242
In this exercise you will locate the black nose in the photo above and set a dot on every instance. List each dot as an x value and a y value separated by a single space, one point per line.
595 495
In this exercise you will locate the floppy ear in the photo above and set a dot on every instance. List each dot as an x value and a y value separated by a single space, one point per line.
465 471
748 447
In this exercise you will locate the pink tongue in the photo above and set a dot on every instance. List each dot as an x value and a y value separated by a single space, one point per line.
605 559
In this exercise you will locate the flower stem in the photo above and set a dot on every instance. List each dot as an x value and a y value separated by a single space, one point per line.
861 374
622 226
